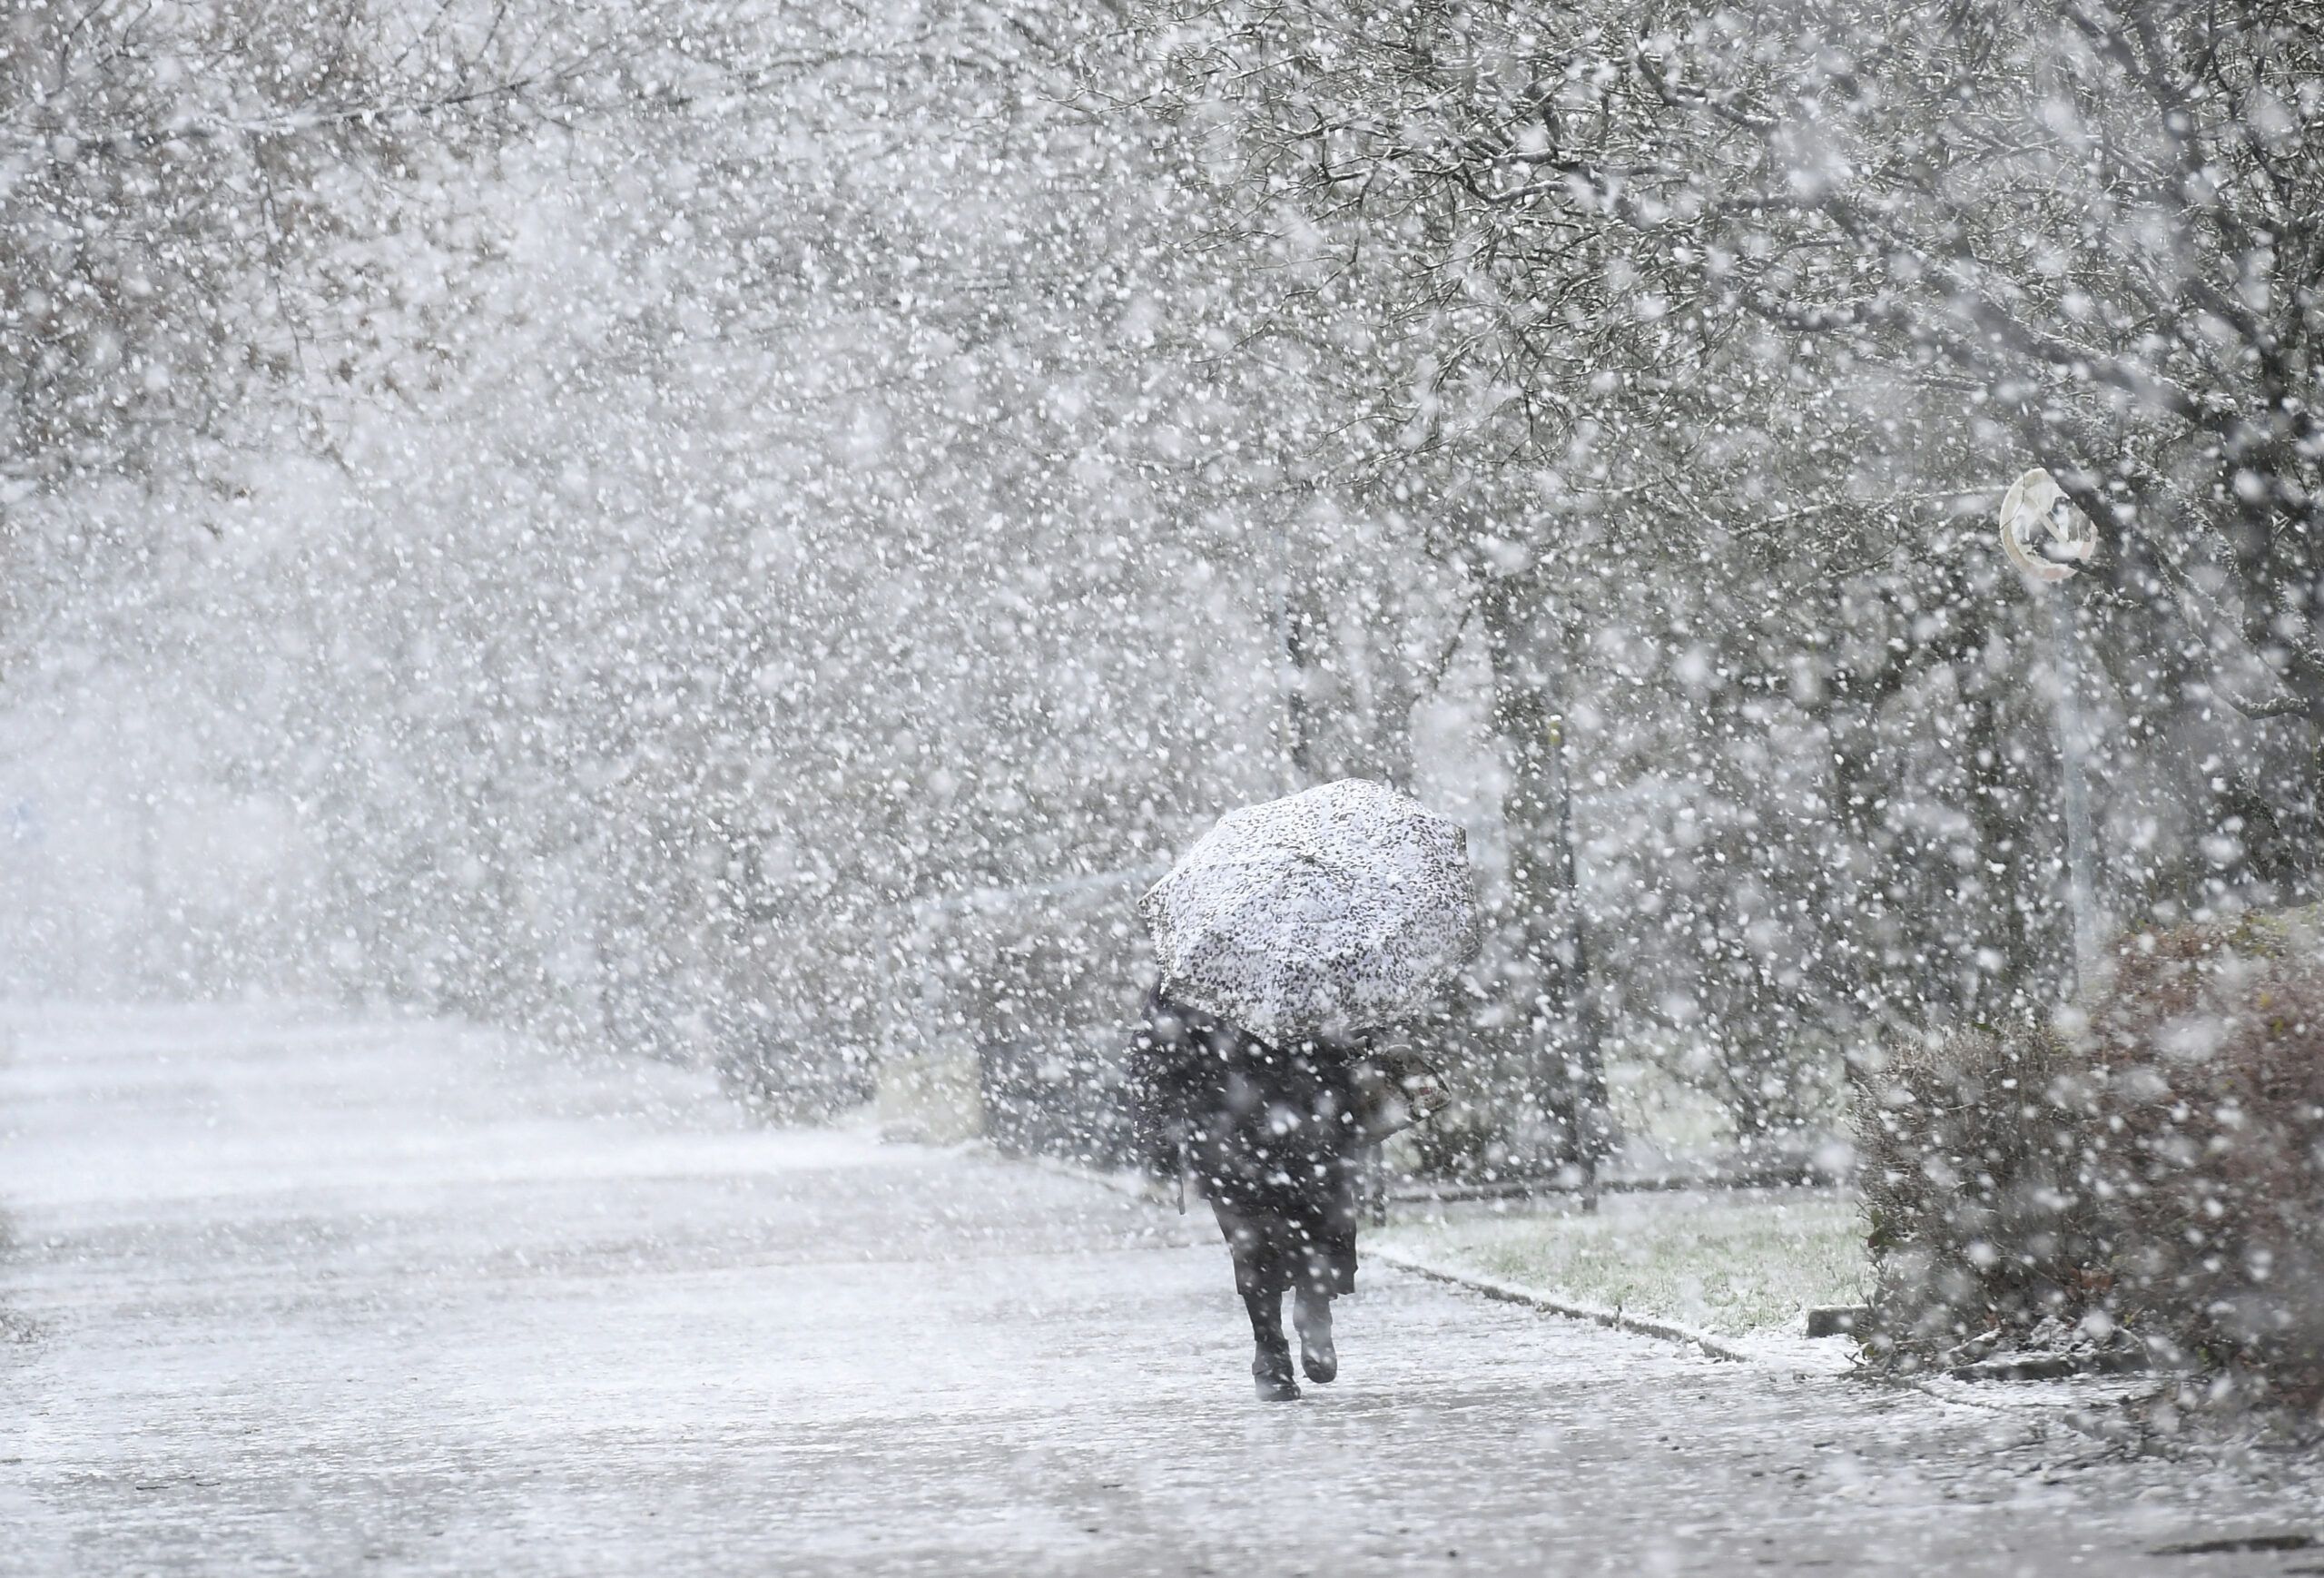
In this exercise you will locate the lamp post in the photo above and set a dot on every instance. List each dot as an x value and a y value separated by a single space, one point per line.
2049 540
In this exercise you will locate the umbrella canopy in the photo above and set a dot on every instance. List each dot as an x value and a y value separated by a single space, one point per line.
1330 911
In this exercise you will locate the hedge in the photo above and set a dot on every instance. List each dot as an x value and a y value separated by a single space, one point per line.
2146 1171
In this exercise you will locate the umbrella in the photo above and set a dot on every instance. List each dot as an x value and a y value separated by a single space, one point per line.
1331 911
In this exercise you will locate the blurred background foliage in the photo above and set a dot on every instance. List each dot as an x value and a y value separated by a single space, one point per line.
740 531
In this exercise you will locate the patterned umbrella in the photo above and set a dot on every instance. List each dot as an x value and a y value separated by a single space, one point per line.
1331 911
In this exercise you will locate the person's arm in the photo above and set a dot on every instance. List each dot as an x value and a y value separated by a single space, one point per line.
1395 1086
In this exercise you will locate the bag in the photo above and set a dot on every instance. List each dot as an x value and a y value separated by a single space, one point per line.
1395 1089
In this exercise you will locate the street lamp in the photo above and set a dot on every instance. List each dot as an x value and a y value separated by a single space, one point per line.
2049 539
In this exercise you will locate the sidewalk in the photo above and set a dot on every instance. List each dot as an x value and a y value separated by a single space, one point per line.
319 1296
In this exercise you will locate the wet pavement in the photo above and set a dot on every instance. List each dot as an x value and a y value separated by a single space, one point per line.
297 1294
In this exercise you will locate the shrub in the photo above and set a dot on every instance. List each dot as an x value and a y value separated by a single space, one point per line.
2153 1163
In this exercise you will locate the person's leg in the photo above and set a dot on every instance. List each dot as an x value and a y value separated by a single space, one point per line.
1270 1349
1322 1251
1261 1278
1311 1314
1326 1266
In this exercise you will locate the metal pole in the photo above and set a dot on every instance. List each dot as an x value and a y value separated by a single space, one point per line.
2081 886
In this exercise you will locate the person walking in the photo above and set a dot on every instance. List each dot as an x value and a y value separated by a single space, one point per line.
1287 937
1275 1138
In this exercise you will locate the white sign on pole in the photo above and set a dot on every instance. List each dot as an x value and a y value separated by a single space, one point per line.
2047 538
2041 531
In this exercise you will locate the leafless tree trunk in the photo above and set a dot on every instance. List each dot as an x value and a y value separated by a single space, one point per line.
1554 1029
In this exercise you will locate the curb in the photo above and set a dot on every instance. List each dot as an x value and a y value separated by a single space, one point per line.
1615 1320
2070 1367
1504 1292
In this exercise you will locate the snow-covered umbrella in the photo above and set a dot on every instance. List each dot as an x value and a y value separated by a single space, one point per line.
1333 910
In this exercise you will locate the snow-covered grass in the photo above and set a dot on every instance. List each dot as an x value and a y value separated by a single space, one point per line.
1738 1263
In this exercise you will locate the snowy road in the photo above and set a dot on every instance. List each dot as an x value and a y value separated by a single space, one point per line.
320 1296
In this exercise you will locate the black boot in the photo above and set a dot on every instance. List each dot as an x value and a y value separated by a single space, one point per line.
1271 1374
1271 1355
1312 1314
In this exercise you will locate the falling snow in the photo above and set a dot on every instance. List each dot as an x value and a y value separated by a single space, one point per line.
606 611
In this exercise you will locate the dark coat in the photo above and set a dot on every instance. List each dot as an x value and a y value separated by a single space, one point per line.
1270 1134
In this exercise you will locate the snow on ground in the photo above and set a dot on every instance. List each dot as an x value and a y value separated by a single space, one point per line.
316 1296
